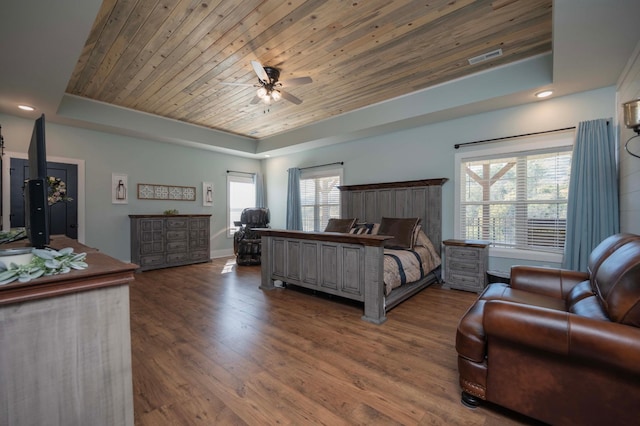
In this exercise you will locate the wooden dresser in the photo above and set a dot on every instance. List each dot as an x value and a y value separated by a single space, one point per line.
161 241
465 264
65 345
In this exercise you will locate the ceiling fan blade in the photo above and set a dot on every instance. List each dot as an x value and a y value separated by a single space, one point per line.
298 81
259 70
255 100
288 96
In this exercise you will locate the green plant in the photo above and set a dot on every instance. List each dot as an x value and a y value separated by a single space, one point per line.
44 262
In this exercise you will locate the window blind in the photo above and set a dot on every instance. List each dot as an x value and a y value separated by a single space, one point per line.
320 199
516 200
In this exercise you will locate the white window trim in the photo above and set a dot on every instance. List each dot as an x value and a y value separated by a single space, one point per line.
235 178
526 143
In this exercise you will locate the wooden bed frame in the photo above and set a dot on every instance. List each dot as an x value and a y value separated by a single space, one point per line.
352 266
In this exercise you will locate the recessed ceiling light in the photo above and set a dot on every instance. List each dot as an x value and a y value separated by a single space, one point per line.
544 94
26 108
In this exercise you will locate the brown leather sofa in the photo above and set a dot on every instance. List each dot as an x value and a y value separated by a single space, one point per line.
559 346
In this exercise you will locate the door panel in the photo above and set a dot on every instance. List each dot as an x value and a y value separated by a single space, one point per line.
63 217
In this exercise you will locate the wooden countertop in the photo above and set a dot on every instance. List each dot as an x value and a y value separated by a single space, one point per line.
103 271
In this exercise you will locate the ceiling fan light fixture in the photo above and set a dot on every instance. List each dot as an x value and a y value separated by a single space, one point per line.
261 92
276 95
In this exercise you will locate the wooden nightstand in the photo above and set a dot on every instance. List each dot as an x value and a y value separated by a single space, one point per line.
465 264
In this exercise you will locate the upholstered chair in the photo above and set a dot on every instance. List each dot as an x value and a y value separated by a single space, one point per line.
559 346
247 242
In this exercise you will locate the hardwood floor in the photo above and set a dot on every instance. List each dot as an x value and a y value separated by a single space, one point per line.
209 347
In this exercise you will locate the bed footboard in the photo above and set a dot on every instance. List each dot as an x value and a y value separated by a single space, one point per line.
345 265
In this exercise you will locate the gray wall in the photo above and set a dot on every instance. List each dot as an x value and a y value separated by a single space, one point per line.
428 151
107 224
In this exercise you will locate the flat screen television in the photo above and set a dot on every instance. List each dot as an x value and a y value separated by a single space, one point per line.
36 189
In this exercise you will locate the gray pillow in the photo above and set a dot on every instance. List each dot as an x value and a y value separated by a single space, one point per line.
340 225
401 229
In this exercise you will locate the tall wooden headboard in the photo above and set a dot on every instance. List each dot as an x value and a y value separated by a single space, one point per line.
416 198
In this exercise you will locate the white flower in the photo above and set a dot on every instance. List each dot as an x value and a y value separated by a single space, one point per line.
57 191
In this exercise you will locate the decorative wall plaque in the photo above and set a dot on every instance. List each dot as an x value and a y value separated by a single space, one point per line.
147 191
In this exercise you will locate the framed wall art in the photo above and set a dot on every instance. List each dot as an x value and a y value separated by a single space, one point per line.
150 191
119 188
207 193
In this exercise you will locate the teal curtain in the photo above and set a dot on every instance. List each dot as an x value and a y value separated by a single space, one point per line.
294 205
260 195
592 209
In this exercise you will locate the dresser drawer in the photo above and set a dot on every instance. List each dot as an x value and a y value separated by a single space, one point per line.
152 260
176 246
176 235
199 255
177 257
177 223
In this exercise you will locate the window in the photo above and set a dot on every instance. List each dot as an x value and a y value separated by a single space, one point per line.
241 193
320 198
516 200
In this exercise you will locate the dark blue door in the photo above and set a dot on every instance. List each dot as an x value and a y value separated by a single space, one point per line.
63 215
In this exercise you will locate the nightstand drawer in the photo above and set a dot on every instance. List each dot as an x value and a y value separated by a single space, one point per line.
464 253
473 268
468 281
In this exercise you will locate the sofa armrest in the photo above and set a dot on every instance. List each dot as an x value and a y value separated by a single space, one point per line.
546 281
607 344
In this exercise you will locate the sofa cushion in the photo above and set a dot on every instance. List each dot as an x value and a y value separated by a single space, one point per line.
606 248
617 284
578 293
551 282
502 291
589 307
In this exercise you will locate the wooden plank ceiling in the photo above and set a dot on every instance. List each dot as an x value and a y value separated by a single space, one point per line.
172 58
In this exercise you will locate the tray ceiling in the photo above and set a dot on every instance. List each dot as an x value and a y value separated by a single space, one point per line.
173 58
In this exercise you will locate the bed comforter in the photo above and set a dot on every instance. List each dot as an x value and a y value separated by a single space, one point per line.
409 265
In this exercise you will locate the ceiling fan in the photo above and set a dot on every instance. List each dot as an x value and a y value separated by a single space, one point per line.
270 88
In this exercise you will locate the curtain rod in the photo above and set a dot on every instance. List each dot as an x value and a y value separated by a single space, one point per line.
322 165
458 145
244 173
